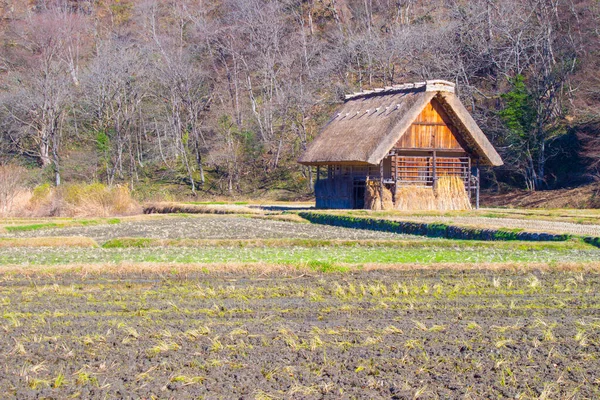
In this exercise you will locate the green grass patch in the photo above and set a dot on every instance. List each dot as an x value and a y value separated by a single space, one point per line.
61 224
129 242
32 227
324 257
326 266
574 244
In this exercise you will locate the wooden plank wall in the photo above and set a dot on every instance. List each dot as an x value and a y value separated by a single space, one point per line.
431 130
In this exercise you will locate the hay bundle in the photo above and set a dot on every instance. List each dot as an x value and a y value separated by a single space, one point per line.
410 198
373 197
451 194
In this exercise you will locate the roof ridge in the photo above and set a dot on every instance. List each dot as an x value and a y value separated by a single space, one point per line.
435 85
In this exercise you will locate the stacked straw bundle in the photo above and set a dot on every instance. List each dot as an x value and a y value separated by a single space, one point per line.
415 198
451 194
373 197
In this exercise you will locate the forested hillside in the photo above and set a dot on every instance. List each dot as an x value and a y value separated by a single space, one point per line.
221 96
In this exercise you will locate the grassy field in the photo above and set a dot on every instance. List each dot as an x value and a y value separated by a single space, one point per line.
265 306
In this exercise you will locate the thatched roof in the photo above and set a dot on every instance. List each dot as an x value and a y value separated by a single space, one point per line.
370 123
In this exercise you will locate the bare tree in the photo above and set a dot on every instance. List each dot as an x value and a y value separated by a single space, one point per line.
183 88
49 44
113 91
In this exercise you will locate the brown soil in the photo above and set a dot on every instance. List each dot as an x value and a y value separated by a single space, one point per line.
581 197
208 227
377 335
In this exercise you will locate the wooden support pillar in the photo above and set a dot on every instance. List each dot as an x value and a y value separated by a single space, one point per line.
469 192
318 173
477 193
394 163
381 183
434 170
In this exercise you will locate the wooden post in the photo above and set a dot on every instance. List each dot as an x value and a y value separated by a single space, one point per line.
469 178
394 163
434 171
381 183
477 194
318 172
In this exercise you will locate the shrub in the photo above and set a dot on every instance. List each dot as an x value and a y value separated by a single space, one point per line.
95 199
82 200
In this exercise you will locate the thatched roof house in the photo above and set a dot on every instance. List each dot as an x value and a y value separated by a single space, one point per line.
403 135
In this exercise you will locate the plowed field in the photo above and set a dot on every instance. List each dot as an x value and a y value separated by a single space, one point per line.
411 334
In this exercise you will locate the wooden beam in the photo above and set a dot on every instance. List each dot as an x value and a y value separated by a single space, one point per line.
394 163
469 180
477 194
431 124
434 169
381 183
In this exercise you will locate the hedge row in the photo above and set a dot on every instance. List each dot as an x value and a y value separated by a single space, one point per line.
434 230
594 241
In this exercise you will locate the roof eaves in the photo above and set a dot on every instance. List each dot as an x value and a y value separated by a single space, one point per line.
467 124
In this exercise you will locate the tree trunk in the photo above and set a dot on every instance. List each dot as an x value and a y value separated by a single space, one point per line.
45 149
541 170
56 161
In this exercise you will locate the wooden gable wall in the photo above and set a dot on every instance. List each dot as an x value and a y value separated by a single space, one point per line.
431 130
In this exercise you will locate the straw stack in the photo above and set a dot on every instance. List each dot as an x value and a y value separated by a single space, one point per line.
410 198
451 194
373 197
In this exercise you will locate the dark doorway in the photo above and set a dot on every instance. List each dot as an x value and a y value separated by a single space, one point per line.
358 194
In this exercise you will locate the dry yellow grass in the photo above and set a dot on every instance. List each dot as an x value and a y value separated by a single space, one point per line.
282 217
74 241
173 208
81 200
265 269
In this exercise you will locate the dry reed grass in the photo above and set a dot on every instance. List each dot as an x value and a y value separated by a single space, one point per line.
266 269
74 241
182 208
82 200
13 195
126 242
20 204
96 200
282 217
373 197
